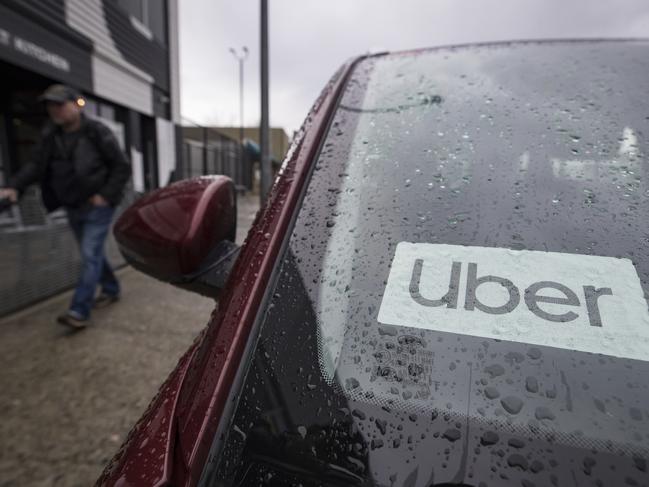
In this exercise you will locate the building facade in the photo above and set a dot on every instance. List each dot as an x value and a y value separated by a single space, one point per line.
122 55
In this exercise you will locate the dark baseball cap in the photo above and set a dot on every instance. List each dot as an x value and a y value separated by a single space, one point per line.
60 94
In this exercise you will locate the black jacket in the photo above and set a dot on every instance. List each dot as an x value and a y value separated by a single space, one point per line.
100 166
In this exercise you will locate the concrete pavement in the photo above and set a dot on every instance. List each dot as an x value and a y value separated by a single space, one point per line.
68 400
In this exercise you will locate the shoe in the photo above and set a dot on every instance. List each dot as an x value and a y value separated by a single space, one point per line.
72 321
104 300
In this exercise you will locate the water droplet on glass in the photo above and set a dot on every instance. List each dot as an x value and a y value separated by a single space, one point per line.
352 383
495 370
516 443
452 434
381 425
517 460
489 438
512 404
491 393
543 412
531 384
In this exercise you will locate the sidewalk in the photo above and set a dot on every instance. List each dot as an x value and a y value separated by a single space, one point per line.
69 399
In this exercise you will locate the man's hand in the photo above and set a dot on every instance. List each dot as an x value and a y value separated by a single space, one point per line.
98 200
9 193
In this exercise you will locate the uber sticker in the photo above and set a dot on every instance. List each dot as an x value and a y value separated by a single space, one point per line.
576 302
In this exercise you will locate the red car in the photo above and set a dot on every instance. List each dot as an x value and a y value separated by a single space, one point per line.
447 286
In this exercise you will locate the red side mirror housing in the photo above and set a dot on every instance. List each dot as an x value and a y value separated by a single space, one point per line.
172 233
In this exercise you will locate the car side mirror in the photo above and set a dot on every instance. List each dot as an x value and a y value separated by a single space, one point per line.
183 233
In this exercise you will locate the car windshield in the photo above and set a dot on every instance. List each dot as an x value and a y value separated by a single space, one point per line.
463 295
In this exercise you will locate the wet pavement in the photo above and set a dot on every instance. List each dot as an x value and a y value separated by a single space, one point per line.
69 399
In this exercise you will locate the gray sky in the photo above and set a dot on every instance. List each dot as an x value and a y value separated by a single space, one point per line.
310 39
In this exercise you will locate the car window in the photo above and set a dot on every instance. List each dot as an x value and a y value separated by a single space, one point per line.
463 295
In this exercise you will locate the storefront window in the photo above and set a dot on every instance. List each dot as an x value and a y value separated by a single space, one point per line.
136 8
157 19
150 13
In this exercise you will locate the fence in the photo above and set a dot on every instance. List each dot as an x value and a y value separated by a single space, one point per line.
38 253
217 154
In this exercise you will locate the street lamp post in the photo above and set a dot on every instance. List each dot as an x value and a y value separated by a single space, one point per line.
241 57
264 130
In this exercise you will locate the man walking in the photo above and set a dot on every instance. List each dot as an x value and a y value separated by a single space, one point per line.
80 167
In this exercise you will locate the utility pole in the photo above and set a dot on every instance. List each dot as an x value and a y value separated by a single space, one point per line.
264 138
205 142
241 57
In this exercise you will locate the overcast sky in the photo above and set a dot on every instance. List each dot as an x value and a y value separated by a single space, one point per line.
310 39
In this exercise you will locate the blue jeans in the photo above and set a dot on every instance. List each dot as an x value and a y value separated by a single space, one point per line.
90 225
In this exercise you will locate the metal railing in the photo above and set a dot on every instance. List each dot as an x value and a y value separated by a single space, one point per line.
38 253
215 153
